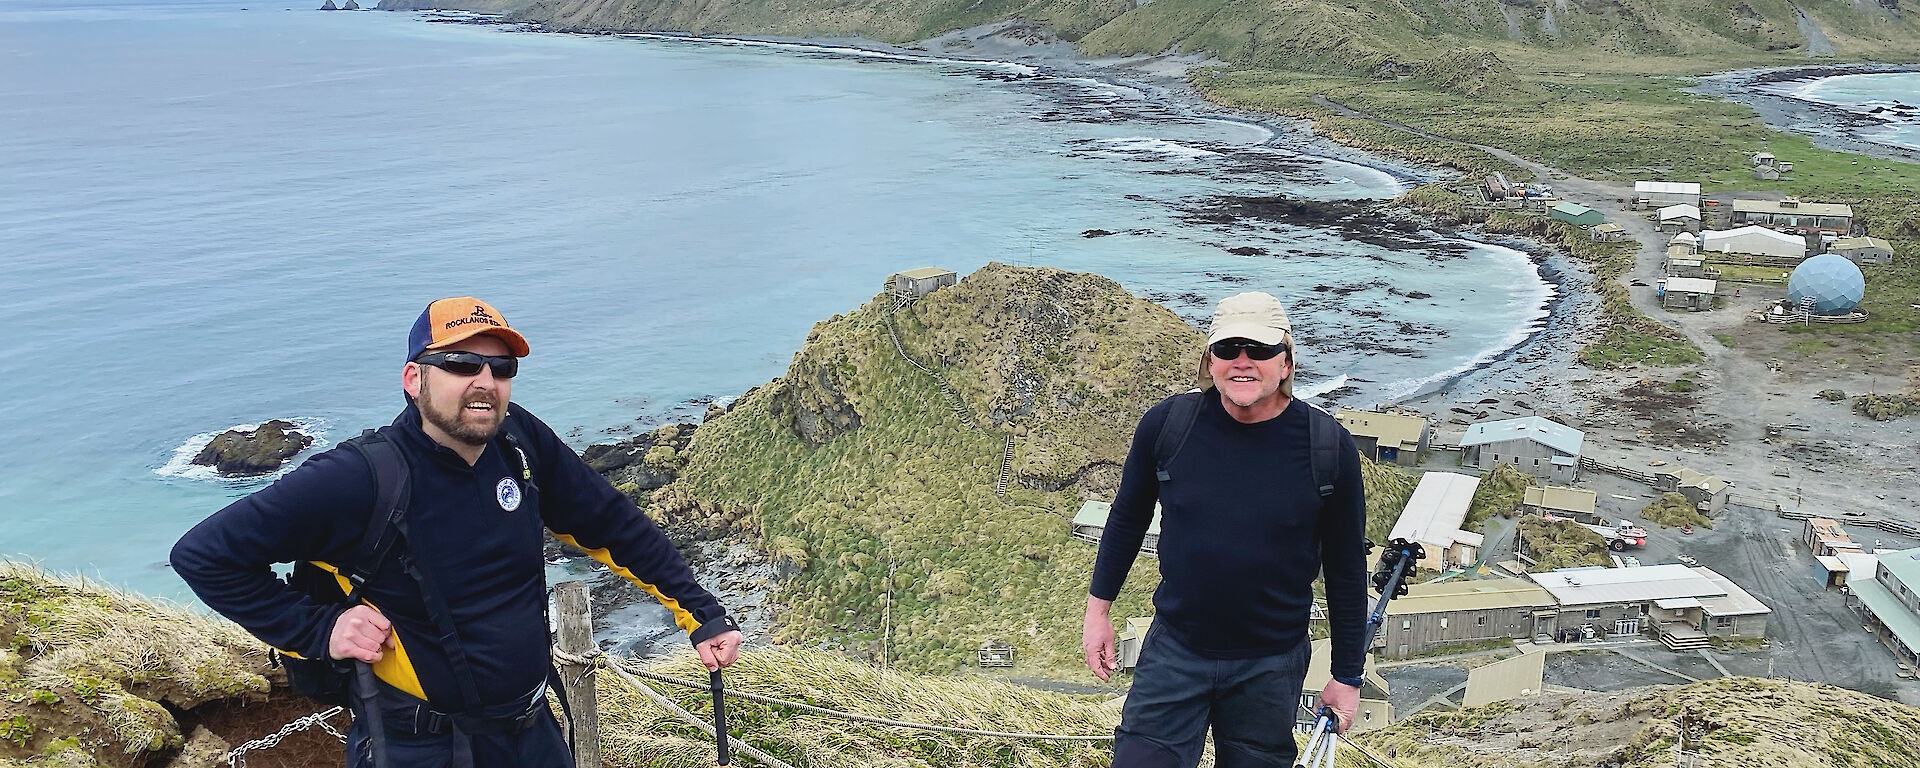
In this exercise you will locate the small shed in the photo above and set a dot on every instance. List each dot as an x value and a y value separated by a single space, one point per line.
1540 447
923 281
1863 250
1396 438
1685 263
994 653
1128 642
1574 503
1692 293
1708 493
1608 233
1688 239
1680 218
1577 214
1763 159
1091 521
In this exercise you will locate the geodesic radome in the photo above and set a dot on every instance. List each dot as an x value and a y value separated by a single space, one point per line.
1834 283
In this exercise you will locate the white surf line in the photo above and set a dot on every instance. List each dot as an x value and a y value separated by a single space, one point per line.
846 51
1535 321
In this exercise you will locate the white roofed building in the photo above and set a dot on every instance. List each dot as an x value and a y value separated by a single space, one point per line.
1683 605
1694 293
1754 240
1537 446
1660 194
1433 517
1680 218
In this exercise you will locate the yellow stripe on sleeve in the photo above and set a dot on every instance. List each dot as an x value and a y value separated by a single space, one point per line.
681 617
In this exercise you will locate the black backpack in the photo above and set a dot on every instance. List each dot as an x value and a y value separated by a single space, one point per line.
328 680
1323 440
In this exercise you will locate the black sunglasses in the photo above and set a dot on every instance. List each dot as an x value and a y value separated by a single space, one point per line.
1229 349
468 363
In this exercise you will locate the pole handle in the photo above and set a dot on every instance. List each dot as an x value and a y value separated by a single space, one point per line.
720 745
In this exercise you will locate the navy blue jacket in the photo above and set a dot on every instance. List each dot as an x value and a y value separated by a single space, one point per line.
485 559
1243 533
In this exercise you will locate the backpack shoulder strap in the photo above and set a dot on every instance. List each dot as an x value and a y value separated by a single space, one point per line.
1323 449
1185 408
392 494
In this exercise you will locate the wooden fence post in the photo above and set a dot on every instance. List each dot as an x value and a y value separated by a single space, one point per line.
576 638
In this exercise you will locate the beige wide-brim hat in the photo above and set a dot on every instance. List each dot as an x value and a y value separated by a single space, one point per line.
1252 315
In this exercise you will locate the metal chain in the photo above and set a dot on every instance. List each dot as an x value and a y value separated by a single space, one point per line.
238 757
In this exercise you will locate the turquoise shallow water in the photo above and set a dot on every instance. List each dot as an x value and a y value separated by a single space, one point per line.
211 216
1893 98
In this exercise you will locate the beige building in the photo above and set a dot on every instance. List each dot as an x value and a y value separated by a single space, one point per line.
1572 503
1373 712
1433 516
1433 616
1683 606
1863 250
1505 680
1794 217
1395 438
921 282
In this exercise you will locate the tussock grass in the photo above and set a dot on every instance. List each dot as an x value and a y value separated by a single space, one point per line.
1562 544
636 732
1673 510
1499 493
87 662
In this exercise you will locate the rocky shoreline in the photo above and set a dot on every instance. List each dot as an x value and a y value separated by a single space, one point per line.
1829 126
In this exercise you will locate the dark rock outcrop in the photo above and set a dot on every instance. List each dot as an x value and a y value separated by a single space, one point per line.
648 461
350 6
261 450
329 6
814 406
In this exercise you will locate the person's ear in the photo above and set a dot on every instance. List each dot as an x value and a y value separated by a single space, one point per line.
411 378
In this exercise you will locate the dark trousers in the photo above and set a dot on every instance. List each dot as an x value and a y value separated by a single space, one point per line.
418 737
1250 703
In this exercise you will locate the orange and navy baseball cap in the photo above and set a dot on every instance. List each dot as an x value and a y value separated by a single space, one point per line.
447 321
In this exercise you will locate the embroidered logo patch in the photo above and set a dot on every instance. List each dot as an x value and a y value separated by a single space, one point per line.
508 492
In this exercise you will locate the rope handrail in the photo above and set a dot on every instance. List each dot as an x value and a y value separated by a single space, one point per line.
668 704
618 666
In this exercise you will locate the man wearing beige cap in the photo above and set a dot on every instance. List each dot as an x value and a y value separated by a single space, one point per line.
1259 493
418 551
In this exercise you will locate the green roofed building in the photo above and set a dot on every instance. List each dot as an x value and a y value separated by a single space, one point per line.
1890 602
1578 214
1091 521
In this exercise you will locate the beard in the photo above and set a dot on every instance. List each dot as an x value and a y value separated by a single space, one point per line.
461 424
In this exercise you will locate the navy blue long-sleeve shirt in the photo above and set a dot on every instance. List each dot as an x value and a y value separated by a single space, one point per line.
1243 533
484 559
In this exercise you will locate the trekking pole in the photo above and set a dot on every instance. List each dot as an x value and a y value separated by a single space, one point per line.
719 715
1389 579
368 692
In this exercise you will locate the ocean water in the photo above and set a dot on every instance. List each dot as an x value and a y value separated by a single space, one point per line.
1891 97
217 213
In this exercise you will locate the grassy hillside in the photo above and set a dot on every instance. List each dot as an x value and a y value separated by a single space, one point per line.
859 474
90 676
1731 721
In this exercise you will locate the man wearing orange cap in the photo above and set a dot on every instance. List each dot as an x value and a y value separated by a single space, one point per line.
432 529
1259 493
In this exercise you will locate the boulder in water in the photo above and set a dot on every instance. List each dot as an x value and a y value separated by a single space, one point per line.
259 451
